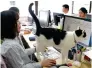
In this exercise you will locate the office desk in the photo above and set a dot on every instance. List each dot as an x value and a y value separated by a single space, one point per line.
83 65
30 43
59 60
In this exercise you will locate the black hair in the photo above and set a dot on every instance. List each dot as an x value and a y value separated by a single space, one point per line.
8 24
84 10
66 6
14 9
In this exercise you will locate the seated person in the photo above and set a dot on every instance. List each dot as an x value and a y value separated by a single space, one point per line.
12 49
20 38
16 10
65 9
82 12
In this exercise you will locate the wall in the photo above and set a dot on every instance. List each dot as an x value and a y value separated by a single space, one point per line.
79 4
54 5
21 4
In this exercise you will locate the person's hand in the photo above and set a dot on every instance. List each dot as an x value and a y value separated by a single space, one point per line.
48 62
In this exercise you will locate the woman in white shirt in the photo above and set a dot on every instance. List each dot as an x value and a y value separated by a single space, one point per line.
11 48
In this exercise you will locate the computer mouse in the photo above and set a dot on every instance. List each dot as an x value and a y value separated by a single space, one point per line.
32 38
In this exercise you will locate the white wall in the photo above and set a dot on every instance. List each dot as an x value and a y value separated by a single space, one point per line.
21 4
54 5
79 4
4 5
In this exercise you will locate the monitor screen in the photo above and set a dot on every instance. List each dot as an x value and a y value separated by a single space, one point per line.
57 17
44 17
71 23
90 41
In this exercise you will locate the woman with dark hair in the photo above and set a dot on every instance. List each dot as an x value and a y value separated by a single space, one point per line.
29 51
16 10
11 48
82 12
8 24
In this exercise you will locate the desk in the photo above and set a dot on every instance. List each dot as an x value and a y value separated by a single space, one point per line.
30 43
89 54
26 27
83 65
58 61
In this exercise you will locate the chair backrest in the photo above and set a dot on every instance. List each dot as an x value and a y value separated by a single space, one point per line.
3 64
7 64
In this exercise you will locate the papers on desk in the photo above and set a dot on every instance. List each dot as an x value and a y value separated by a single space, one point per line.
51 53
26 27
89 54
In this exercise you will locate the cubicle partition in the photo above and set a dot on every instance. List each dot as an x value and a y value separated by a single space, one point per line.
71 23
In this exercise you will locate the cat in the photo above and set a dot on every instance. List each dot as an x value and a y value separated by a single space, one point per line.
60 39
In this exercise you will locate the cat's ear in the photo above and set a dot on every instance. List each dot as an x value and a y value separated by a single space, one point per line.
84 33
83 30
78 28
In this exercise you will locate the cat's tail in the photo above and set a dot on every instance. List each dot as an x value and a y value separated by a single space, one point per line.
38 27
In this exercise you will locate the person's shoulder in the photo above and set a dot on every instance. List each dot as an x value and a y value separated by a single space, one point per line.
8 45
9 42
69 14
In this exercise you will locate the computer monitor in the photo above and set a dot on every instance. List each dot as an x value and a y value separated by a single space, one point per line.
71 23
90 41
89 16
44 17
57 17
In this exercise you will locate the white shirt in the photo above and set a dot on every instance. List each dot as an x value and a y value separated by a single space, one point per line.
67 13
